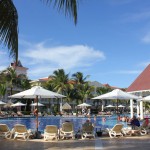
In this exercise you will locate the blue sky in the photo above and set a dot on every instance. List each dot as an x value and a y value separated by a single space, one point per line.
111 41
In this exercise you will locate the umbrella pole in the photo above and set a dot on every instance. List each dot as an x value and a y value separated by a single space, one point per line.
37 122
117 111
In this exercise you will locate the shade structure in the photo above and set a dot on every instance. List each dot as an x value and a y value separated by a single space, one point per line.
121 106
35 104
37 92
84 105
66 106
118 95
110 106
2 103
147 99
18 104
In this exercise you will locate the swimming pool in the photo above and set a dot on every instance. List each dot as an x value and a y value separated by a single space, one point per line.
30 122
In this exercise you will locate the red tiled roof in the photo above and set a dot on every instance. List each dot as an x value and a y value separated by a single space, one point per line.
142 82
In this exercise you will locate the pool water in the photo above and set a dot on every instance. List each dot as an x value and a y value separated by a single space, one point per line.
30 122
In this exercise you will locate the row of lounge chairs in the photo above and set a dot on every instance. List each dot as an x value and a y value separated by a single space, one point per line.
18 131
67 131
119 130
50 131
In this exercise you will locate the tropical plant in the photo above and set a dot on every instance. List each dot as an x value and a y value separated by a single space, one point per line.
2 90
85 91
9 21
79 78
60 81
10 78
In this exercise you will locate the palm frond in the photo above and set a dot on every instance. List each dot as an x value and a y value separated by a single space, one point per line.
9 27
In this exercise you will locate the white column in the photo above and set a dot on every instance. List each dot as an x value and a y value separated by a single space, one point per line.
141 110
131 107
138 109
102 105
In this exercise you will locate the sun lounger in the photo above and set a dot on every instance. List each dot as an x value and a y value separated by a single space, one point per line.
136 131
51 132
5 131
20 131
115 131
67 130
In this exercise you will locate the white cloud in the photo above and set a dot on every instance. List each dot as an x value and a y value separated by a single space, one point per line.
44 60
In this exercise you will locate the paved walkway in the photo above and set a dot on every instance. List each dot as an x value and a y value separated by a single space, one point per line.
105 143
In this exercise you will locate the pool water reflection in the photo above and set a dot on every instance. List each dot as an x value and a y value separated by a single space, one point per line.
30 122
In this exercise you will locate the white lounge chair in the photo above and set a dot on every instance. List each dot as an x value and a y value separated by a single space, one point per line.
5 131
51 132
115 131
20 131
67 130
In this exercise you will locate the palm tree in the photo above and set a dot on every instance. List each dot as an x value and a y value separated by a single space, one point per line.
9 21
79 78
11 78
85 91
60 81
2 90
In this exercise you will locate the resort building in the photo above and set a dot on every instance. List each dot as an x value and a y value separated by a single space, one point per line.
20 70
140 87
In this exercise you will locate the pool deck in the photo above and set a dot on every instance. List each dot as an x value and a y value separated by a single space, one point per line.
105 143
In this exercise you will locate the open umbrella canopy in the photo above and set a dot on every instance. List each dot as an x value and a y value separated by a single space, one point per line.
117 94
37 91
147 99
66 106
109 106
84 105
2 103
35 104
121 106
18 104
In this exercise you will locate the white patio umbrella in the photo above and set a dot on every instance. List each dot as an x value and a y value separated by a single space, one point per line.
35 104
109 106
146 99
84 105
37 92
118 95
18 104
1 104
121 106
